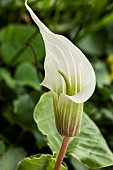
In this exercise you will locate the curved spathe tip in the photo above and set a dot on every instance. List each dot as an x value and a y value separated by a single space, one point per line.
41 26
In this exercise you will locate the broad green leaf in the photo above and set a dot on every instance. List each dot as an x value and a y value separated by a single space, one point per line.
5 75
22 112
100 70
24 104
22 116
89 147
44 117
26 74
93 44
12 33
9 50
77 165
13 40
99 24
43 162
11 157
102 22
23 108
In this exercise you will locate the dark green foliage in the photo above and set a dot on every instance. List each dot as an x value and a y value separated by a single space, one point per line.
89 25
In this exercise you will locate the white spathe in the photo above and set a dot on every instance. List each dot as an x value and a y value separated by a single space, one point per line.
69 75
62 55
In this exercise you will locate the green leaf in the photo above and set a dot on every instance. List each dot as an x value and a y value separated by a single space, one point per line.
5 75
44 117
89 147
100 70
23 108
11 157
93 44
22 112
77 165
24 104
13 40
99 24
9 50
12 33
43 162
26 74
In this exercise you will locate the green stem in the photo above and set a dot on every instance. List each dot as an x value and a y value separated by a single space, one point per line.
62 153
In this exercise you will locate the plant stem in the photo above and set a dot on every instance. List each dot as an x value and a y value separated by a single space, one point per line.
62 153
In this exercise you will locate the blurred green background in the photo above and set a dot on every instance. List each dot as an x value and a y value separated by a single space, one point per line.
89 25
